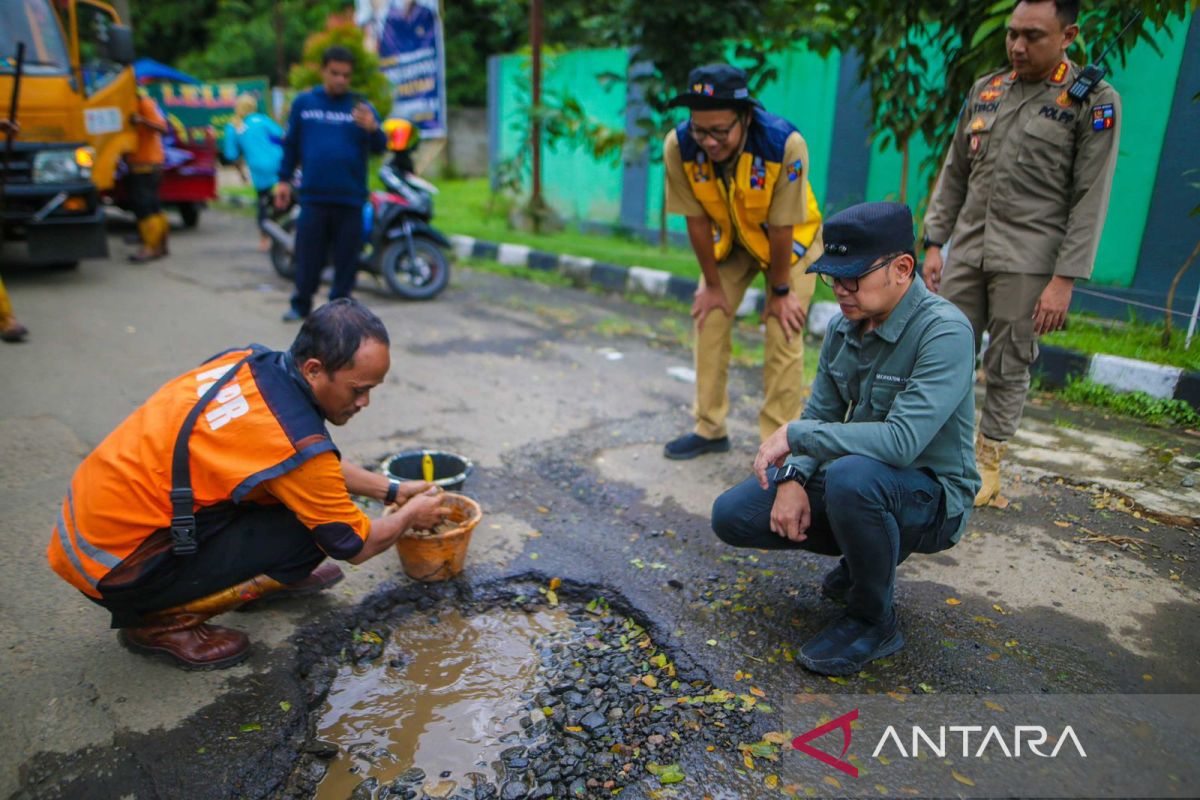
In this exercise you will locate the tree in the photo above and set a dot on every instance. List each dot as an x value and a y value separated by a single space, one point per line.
366 79
910 97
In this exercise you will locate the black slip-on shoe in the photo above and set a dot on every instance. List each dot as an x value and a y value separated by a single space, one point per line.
849 644
691 445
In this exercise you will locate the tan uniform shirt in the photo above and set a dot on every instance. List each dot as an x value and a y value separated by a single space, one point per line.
1026 183
789 203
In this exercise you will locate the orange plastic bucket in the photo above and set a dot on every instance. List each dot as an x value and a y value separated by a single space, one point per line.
441 556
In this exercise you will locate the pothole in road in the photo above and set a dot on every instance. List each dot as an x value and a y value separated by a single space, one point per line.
517 696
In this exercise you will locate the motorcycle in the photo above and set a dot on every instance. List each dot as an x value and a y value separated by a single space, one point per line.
399 243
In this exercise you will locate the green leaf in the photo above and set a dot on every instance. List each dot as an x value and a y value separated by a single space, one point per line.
250 726
285 705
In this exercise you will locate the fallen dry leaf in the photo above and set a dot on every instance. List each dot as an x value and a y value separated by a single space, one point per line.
953 601
963 779
555 583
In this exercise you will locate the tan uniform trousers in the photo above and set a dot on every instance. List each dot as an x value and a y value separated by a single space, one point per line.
783 362
1001 303
6 309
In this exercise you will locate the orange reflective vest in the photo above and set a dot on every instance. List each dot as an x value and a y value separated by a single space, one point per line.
739 210
261 424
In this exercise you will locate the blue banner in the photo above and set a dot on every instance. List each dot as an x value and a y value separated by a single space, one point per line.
407 37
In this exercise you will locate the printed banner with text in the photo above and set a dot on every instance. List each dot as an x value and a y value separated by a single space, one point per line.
407 36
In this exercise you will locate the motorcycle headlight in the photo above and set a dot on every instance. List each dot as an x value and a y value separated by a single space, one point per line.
56 166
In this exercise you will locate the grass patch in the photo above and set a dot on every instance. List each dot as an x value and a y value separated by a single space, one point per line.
1127 339
467 207
1139 405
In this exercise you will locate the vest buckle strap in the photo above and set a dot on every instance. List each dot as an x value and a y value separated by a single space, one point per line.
183 523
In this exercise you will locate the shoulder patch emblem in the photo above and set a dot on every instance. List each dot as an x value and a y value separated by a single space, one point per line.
1103 117
988 95
1063 100
997 81
978 124
793 170
1060 73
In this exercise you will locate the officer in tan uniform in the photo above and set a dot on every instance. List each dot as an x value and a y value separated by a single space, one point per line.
740 176
1021 199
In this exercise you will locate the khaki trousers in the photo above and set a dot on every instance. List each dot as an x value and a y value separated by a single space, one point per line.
1001 303
6 309
783 362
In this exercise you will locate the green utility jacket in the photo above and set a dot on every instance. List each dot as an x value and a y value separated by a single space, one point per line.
902 394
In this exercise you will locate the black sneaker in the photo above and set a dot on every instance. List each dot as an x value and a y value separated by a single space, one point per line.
837 582
691 445
849 644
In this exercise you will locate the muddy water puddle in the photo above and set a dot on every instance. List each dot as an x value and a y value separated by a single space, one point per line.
446 697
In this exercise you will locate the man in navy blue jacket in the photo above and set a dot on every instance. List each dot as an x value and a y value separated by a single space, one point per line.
331 132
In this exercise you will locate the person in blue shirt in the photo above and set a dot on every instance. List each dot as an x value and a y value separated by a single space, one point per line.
331 133
258 141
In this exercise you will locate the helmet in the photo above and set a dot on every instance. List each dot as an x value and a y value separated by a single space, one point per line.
401 134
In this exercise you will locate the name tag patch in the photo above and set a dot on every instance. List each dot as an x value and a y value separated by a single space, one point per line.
1103 117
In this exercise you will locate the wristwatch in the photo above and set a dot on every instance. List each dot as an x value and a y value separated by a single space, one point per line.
781 289
790 472
393 489
927 243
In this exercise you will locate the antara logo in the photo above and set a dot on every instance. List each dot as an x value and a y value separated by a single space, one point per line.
1033 737
801 743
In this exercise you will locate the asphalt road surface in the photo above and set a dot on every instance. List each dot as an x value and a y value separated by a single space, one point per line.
1086 586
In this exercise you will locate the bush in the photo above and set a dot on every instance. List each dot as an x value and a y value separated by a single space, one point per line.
367 80
1140 405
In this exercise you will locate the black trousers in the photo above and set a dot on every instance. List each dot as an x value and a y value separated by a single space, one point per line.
143 192
872 514
324 229
237 542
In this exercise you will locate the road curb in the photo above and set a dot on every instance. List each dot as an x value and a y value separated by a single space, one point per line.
1055 366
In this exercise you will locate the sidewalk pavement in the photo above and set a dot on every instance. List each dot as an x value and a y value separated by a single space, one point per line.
1055 365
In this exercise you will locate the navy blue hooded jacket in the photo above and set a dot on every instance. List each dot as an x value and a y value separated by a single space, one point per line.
323 138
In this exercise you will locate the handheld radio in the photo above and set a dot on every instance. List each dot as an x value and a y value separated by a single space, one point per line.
1094 73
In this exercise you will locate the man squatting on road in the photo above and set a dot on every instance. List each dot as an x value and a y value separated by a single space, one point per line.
880 464
225 486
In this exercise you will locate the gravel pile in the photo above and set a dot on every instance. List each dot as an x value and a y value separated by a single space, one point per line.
610 708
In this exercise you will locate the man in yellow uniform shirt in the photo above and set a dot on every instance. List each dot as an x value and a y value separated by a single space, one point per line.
740 176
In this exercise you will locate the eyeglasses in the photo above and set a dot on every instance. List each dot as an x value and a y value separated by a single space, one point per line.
851 284
716 134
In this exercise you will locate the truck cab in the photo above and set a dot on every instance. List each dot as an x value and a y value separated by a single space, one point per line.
75 94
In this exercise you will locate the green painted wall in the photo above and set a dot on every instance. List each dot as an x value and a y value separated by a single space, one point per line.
574 184
806 93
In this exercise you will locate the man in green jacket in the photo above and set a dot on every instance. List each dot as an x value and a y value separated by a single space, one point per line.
881 463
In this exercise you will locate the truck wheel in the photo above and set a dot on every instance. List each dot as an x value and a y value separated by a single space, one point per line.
419 275
190 214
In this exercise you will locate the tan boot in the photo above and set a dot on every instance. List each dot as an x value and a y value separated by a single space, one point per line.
988 453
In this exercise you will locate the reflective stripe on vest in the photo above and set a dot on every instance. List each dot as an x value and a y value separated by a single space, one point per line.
74 541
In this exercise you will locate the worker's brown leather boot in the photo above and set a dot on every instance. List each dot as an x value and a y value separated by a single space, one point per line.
182 634
189 642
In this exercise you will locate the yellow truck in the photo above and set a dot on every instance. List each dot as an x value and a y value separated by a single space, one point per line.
76 93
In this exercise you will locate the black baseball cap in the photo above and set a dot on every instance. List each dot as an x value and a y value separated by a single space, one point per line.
715 86
859 236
